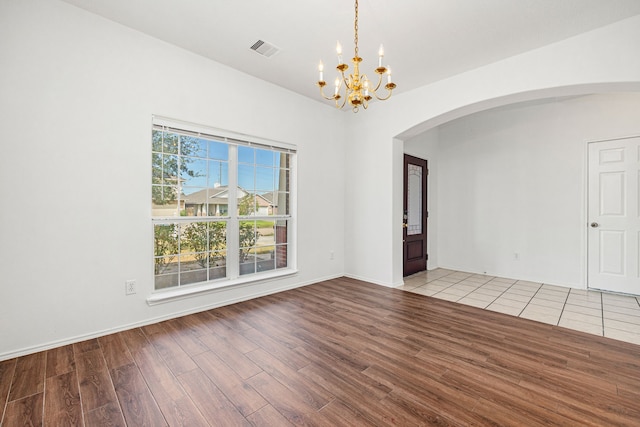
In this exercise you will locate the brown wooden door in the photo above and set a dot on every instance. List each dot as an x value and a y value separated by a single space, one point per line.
415 215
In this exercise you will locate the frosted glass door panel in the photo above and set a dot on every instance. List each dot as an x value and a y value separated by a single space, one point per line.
414 200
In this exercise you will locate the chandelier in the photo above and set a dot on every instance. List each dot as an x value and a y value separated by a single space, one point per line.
356 89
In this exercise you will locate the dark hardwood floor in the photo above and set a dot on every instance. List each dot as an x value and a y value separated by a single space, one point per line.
336 353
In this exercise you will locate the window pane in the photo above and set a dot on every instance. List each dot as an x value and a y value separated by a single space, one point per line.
164 281
195 202
281 203
170 143
247 234
281 237
265 179
218 272
218 150
193 172
203 252
218 174
265 233
247 266
202 239
217 201
247 205
193 147
163 142
193 256
264 205
265 258
218 238
282 179
189 273
166 239
156 141
283 160
248 237
246 176
156 168
164 200
281 256
269 250
164 169
166 248
246 154
189 277
265 248
188 262
265 157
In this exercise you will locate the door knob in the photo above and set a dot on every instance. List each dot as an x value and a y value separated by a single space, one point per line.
594 225
404 225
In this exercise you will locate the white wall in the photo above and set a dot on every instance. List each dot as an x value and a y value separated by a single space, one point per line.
598 61
513 181
77 96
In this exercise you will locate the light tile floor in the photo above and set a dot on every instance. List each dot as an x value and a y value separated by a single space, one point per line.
599 313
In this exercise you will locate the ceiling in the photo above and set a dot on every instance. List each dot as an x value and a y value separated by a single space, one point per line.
424 40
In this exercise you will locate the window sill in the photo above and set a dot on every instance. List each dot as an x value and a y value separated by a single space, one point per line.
188 291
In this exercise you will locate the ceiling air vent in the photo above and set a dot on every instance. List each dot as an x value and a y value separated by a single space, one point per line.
265 48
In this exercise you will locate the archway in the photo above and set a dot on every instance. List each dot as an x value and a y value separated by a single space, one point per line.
538 97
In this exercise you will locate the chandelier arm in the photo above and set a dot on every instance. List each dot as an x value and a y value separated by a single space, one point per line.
378 85
344 101
388 86
343 79
389 92
328 98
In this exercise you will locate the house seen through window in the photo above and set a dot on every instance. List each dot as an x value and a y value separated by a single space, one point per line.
221 207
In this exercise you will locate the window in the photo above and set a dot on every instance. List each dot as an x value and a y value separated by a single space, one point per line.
221 205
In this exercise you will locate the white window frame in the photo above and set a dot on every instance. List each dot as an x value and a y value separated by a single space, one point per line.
233 277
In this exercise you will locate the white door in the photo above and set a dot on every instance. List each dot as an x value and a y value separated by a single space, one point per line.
614 215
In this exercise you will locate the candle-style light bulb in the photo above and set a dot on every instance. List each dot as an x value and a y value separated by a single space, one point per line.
337 83
339 52
366 88
388 74
380 55
320 69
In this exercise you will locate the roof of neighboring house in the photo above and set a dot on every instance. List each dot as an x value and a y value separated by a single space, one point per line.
268 197
272 197
220 196
262 201
213 195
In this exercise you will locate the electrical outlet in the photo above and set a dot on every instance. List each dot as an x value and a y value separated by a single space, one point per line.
130 287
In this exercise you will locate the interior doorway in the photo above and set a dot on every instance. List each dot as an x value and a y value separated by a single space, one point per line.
414 226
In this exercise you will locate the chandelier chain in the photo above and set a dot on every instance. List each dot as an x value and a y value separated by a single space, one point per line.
355 27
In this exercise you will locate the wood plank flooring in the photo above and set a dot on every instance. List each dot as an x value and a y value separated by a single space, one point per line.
336 353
